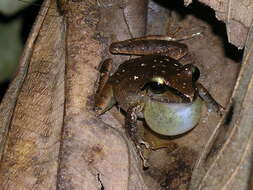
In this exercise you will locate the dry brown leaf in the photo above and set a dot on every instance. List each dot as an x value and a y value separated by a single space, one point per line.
51 139
32 110
226 161
50 136
237 15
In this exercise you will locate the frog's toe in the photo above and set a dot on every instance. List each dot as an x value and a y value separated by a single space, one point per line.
146 144
221 111
145 163
217 108
143 158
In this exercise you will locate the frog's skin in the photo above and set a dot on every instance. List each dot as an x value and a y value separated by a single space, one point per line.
155 86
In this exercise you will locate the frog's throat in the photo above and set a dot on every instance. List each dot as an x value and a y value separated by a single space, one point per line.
174 118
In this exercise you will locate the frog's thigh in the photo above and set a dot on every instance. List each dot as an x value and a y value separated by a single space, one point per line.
169 38
104 99
149 45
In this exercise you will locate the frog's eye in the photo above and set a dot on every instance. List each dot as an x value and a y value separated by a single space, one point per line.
195 74
158 80
156 87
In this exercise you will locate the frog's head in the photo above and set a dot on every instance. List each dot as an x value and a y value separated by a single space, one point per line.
178 87
173 107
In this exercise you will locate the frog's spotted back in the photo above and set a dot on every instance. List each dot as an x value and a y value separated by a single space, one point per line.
140 71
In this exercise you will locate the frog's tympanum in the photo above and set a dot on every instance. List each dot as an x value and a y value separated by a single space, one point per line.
154 86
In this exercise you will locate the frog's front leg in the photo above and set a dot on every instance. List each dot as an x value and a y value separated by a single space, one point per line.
104 99
208 99
131 124
150 45
131 128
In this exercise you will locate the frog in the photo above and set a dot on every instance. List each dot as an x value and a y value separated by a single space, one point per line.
154 86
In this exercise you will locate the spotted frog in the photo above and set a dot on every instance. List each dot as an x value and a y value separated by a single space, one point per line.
154 86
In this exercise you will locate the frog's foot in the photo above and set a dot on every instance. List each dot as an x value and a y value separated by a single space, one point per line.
146 144
218 109
214 106
190 36
143 158
143 152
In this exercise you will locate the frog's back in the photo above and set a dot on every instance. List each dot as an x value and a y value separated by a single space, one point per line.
133 74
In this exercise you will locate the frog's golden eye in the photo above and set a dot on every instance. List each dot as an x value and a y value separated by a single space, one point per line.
159 80
156 87
195 74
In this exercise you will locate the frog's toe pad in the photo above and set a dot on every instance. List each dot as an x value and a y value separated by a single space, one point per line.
147 145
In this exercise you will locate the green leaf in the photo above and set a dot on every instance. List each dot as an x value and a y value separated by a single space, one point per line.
10 47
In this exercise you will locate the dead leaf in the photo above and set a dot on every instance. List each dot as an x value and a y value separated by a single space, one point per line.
51 139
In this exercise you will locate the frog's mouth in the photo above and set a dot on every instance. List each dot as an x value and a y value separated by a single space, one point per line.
170 98
165 94
161 92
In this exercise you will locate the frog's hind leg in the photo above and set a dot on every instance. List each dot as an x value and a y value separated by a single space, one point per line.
149 45
169 38
153 44
104 99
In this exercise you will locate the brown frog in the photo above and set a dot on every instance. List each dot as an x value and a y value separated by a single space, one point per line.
155 86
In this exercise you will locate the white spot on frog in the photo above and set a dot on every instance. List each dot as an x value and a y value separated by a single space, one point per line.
143 64
136 77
